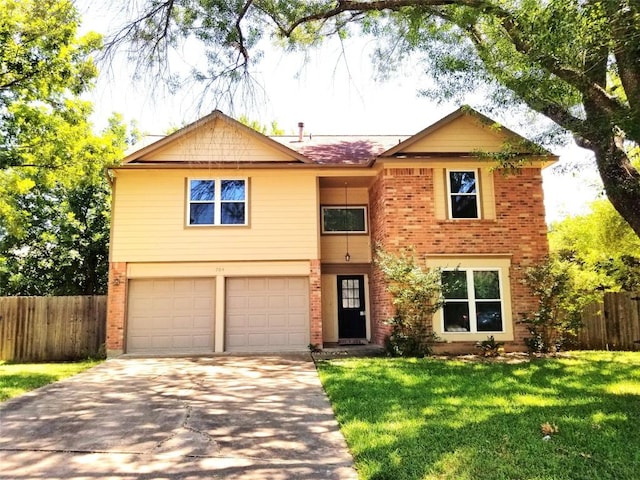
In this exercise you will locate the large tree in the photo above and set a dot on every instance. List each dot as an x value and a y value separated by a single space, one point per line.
54 196
42 65
575 61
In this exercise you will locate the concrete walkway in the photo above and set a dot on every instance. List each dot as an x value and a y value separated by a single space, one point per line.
258 417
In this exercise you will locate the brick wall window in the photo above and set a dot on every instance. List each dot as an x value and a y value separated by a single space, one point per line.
463 194
217 202
473 300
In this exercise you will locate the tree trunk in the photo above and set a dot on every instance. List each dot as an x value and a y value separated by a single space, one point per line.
621 181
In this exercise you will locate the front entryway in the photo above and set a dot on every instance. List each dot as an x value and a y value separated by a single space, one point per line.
352 315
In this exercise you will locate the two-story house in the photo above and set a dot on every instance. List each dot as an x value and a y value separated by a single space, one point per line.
227 240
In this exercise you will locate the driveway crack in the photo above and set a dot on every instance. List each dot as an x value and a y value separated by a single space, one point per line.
187 437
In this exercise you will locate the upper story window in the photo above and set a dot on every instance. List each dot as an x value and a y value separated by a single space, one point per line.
217 202
473 301
463 194
344 219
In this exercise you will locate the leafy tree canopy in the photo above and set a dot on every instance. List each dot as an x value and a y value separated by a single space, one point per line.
55 239
41 65
575 61
54 196
600 249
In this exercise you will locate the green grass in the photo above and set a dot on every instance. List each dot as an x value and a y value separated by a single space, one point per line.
450 419
19 378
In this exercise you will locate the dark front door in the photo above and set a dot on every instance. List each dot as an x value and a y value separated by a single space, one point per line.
351 307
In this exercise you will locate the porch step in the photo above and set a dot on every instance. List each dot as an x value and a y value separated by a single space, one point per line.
352 341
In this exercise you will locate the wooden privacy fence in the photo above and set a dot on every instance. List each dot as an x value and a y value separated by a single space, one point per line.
38 329
613 324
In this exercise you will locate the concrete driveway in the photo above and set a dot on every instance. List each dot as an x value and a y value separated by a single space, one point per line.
258 417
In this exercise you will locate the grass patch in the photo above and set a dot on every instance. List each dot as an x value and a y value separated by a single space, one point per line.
19 378
458 420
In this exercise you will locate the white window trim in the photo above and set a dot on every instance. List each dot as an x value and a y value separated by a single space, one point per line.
343 232
217 203
476 172
471 300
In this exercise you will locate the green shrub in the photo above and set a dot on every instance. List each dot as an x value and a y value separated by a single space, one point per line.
490 348
417 295
557 319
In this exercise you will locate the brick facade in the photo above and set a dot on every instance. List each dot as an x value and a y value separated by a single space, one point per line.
315 300
116 308
402 215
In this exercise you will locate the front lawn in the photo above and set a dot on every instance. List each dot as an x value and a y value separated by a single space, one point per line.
460 420
18 378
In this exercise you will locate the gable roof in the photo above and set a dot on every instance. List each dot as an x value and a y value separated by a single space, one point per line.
463 133
341 149
147 150
419 145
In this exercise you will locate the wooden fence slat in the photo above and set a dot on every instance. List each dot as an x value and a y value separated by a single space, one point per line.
613 324
34 329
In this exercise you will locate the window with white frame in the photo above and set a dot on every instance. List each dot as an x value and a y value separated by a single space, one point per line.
473 301
352 219
463 194
217 202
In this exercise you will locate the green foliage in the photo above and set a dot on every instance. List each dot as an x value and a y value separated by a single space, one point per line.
490 348
416 293
272 129
54 236
600 248
19 378
428 419
42 64
54 196
556 320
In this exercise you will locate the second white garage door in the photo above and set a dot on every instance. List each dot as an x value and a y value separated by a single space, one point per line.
267 314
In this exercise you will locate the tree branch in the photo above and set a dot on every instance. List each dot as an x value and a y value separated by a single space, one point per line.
241 46
344 6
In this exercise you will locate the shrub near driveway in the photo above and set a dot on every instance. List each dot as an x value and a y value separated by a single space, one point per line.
461 420
19 378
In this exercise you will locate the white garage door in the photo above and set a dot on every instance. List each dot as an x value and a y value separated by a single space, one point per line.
267 314
170 315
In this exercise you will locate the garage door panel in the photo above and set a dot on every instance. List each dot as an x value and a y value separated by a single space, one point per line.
160 287
297 320
170 315
257 321
256 284
297 301
298 338
267 314
276 321
257 302
278 301
234 341
277 284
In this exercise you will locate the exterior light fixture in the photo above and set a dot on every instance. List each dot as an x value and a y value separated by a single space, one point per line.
347 256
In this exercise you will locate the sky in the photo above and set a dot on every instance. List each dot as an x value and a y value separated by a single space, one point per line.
332 91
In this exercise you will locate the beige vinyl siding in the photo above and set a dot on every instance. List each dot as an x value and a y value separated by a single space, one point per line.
329 308
487 194
463 134
333 246
206 269
150 218
218 142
